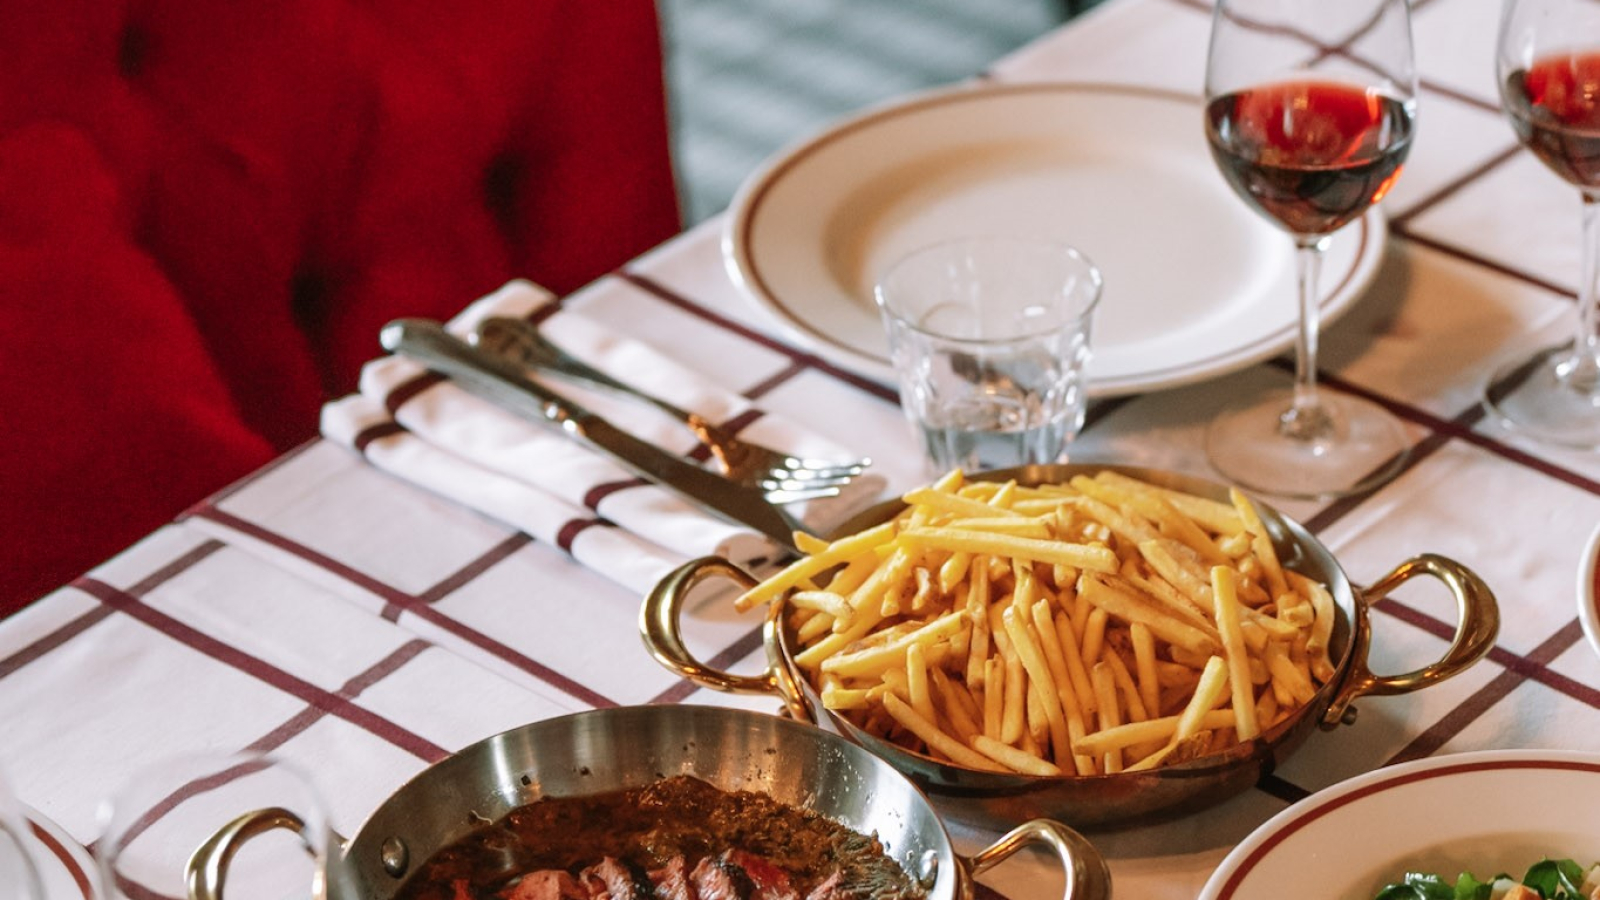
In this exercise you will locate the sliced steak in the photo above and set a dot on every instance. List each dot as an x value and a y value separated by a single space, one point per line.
718 878
546 884
672 881
620 880
771 882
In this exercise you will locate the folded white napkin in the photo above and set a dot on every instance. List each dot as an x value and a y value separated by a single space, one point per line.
423 428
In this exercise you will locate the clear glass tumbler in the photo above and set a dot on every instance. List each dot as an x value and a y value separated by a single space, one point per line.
19 872
990 340
179 828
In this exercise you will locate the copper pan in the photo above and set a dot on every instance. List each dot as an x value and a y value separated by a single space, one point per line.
1106 801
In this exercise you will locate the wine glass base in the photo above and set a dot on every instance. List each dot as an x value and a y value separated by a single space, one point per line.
1364 447
1539 396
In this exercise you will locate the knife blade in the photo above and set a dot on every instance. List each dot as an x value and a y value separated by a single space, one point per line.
505 385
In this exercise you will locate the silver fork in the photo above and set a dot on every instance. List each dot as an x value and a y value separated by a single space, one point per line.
519 341
504 383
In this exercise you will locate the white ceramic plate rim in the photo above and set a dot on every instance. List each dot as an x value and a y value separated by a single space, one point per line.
65 867
1447 785
1589 590
753 239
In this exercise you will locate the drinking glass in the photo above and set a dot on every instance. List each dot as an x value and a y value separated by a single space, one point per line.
990 340
1310 110
19 872
1548 64
263 816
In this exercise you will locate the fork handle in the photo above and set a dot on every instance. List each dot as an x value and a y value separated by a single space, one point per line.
521 342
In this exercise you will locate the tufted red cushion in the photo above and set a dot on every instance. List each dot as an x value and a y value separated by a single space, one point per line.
207 211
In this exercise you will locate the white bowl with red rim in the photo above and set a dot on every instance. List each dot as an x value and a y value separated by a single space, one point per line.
1589 590
1486 812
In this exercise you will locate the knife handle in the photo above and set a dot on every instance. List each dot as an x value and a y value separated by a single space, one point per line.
503 383
488 376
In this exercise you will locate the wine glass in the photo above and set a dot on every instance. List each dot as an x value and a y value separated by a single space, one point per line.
190 824
1310 110
1548 64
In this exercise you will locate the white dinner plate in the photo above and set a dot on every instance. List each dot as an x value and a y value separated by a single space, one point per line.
1484 812
1197 284
1589 590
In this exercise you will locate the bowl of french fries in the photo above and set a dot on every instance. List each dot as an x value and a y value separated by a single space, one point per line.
1097 644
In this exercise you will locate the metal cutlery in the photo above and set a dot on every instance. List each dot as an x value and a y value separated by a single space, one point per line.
503 383
520 342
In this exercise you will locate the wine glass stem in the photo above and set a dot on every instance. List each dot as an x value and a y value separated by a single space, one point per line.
1581 371
1307 419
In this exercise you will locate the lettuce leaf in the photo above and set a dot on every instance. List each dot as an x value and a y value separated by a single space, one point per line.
1554 879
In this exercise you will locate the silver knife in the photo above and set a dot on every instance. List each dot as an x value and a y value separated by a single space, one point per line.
504 384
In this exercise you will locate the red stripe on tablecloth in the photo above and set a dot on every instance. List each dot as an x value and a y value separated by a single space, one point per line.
1484 262
84 622
52 640
762 388
412 605
981 891
351 689
258 668
743 420
468 572
1535 667
803 359
1518 670
266 469
157 810
597 494
1453 187
730 655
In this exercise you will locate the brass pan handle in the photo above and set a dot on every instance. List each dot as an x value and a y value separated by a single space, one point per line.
1088 877
1477 625
208 865
659 627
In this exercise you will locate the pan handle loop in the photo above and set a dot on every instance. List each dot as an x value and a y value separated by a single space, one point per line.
207 869
1088 877
659 620
1477 625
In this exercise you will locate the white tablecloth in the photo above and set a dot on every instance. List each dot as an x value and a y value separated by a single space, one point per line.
323 610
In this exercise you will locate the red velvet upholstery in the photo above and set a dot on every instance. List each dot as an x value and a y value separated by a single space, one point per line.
208 209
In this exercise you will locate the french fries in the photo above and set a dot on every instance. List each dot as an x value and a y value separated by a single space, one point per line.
1101 626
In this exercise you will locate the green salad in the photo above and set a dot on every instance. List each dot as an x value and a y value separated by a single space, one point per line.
1551 879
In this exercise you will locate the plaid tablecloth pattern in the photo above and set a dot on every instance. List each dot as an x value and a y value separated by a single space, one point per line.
329 612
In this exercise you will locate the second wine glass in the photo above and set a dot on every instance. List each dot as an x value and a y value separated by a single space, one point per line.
1549 74
1310 111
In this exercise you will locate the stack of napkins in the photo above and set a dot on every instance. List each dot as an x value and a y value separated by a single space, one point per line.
423 428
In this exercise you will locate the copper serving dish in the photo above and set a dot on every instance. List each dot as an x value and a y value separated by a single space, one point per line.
1106 801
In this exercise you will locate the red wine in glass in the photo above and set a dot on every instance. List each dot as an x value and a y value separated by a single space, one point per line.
1309 140
1554 106
1310 155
